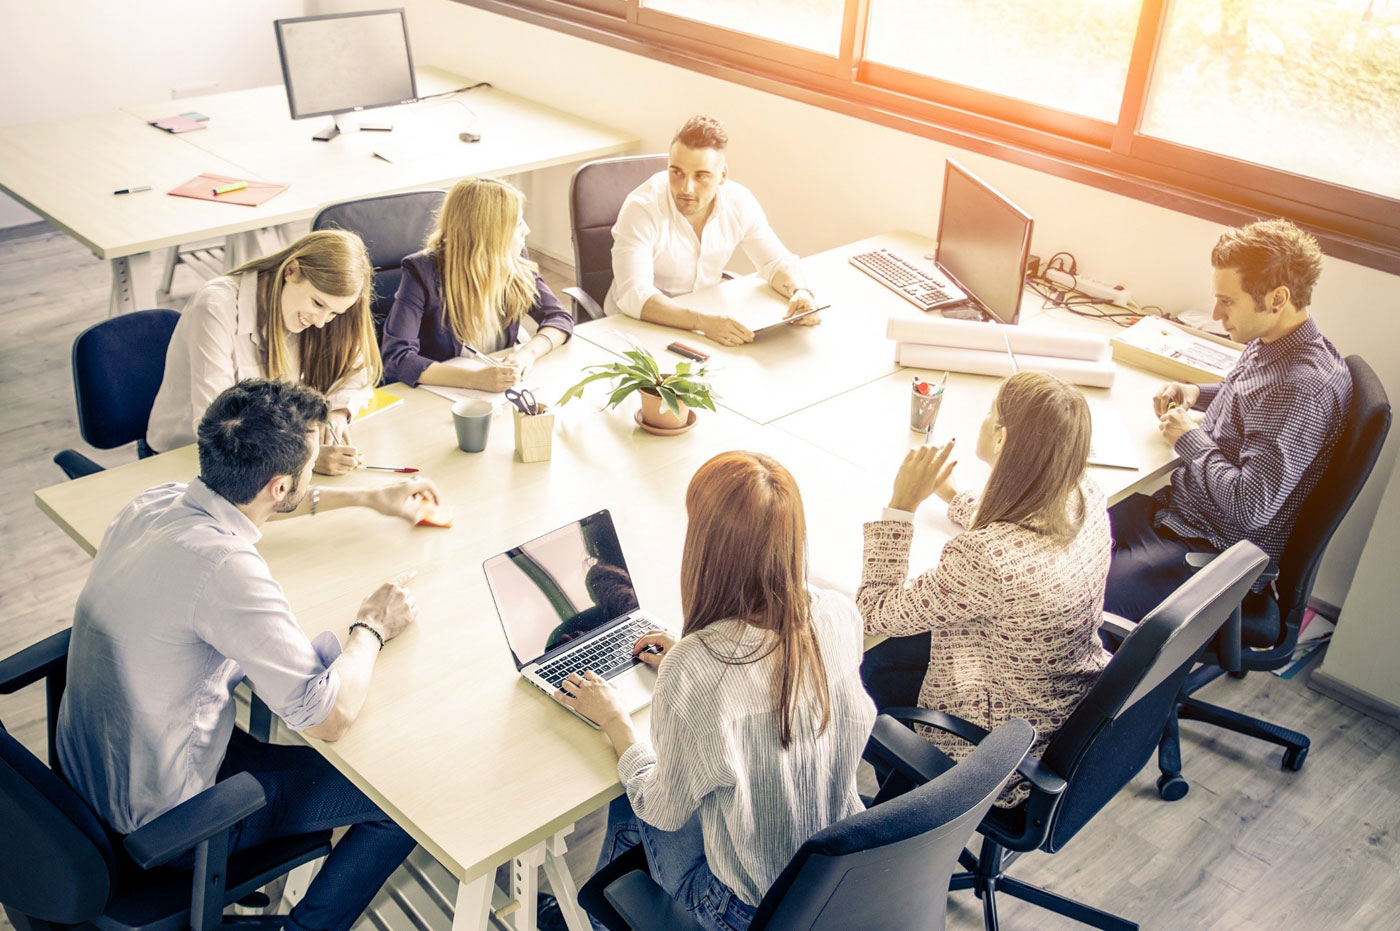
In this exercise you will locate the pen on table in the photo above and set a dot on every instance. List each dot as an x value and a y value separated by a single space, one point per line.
230 188
134 189
408 469
481 355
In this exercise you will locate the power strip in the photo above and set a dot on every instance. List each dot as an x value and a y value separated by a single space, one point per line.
1114 294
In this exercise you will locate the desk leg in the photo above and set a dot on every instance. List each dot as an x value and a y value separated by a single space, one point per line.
525 886
133 287
474 904
562 882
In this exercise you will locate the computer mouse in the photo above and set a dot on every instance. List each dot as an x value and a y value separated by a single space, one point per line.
469 137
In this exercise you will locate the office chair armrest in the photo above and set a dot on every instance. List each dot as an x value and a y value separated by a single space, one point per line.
904 751
582 300
35 662
645 906
1117 626
195 820
1201 560
74 464
1031 769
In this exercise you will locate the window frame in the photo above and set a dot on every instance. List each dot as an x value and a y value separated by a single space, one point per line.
1355 225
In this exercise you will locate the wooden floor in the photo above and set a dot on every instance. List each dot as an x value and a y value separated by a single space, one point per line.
1251 847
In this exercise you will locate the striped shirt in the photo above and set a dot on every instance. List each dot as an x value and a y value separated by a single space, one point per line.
1268 434
714 747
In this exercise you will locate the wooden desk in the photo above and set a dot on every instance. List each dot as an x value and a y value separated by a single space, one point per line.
475 763
50 166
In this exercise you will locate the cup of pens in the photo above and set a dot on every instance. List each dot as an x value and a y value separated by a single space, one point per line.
534 426
924 400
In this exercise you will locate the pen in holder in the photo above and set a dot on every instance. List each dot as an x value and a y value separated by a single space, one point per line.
534 434
923 409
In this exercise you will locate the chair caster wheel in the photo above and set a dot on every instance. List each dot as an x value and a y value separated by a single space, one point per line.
1294 757
1172 788
1238 674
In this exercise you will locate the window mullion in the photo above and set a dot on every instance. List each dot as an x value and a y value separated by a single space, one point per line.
1151 22
853 30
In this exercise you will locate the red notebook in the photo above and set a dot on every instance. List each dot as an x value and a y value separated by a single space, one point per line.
256 193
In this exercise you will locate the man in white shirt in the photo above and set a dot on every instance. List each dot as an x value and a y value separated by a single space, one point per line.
679 229
179 607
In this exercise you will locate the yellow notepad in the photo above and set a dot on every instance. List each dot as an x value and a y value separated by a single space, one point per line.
381 401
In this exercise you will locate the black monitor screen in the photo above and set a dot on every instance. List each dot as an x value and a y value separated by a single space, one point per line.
984 241
346 61
560 586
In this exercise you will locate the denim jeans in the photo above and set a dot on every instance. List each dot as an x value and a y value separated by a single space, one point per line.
676 860
304 794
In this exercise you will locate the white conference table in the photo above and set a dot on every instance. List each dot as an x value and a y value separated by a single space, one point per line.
66 170
478 765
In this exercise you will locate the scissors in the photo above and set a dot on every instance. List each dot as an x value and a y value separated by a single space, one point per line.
523 400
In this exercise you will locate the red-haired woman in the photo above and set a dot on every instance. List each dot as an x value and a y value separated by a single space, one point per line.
759 716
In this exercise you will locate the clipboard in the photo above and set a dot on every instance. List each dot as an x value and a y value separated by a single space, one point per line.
201 187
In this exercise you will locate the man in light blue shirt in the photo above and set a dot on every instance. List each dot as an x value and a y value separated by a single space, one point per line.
179 607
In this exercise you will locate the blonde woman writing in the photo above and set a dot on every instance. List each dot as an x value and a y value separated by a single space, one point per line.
1006 625
302 315
467 291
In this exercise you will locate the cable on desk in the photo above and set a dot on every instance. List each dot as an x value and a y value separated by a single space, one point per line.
460 90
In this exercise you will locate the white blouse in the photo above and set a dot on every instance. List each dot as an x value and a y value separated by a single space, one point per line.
215 345
655 249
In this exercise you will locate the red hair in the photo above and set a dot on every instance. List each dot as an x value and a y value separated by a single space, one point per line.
746 559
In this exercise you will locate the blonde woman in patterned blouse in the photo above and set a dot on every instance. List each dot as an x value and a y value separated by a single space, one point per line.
1007 622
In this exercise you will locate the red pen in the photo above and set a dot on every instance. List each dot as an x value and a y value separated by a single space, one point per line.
407 469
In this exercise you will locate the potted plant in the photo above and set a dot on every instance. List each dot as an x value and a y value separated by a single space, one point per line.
666 398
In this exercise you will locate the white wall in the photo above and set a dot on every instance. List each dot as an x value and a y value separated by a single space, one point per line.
825 178
62 58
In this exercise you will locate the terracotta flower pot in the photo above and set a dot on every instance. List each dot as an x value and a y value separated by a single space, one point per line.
656 413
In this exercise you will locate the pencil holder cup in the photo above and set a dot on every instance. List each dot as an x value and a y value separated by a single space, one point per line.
923 409
534 434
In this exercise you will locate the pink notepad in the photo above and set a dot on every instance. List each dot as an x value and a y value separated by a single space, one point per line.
256 193
177 124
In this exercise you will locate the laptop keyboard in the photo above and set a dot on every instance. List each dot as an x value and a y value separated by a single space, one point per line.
604 655
918 287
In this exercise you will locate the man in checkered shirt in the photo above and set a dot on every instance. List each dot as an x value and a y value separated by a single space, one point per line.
1268 431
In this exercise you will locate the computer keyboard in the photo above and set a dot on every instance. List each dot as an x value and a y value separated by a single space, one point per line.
918 287
602 654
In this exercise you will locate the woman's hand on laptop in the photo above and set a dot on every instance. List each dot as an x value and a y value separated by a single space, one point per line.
652 647
592 696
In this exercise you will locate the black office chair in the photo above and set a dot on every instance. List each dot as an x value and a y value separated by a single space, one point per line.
1102 744
61 867
118 365
393 226
886 867
1270 619
595 197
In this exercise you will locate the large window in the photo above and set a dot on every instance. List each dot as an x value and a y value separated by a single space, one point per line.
1287 107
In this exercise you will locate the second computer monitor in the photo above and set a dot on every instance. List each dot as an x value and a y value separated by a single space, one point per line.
346 61
984 242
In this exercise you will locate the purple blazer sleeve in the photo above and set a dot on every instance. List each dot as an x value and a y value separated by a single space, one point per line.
549 312
402 359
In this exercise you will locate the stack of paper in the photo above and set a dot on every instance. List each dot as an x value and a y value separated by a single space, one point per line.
1169 350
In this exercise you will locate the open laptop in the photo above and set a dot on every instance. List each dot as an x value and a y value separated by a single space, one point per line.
567 604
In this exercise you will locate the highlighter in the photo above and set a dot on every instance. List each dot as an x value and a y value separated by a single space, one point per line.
230 188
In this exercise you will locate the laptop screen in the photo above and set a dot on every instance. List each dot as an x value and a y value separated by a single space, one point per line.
558 587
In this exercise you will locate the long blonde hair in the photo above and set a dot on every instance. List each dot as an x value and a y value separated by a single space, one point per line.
745 558
335 262
486 285
1035 482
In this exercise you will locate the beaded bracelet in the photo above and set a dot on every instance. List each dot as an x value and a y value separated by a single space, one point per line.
377 635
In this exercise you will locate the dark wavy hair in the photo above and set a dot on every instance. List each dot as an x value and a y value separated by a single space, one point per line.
254 431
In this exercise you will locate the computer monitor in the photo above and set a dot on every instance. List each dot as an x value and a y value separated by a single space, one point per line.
343 62
984 242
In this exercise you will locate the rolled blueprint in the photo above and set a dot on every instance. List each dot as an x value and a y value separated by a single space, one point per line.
969 334
1097 373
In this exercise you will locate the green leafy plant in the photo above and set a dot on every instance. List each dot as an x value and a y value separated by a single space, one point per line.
641 373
